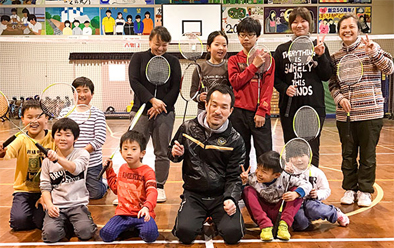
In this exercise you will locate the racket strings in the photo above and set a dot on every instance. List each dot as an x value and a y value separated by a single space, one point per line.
258 49
158 70
350 69
306 124
301 51
191 51
57 97
3 105
296 156
187 82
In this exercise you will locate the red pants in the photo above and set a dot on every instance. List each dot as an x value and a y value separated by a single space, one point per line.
264 213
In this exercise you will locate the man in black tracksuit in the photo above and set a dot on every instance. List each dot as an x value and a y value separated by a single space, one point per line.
212 152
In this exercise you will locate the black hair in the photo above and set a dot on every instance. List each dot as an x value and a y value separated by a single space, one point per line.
120 13
30 104
67 21
347 16
86 22
304 13
270 161
108 11
269 16
13 10
224 89
298 150
25 11
76 21
161 32
147 13
66 124
129 16
249 25
83 81
133 136
137 17
31 17
5 18
211 38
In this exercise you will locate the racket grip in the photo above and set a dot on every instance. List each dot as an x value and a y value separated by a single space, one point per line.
9 141
102 171
348 124
276 225
288 106
44 150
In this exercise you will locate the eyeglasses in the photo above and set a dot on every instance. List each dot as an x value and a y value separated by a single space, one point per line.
249 35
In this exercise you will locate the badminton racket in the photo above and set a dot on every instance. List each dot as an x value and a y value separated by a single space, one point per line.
349 71
257 50
301 51
191 48
132 125
157 71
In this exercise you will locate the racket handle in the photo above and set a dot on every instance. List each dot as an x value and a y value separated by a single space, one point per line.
9 141
276 225
44 150
288 106
348 124
103 170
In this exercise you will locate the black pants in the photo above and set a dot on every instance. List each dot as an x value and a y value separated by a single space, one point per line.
195 209
288 134
243 121
24 215
363 140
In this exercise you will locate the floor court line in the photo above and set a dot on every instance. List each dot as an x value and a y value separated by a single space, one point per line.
244 241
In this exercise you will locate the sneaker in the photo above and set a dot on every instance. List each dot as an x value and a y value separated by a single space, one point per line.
266 234
348 197
342 218
283 231
161 195
364 199
115 202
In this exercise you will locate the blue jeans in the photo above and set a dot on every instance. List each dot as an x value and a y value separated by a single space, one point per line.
96 187
313 210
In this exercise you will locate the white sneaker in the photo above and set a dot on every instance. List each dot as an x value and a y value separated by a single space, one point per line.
161 195
364 199
115 202
348 197
342 218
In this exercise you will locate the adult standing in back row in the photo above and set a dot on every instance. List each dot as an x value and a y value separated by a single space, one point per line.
157 121
303 82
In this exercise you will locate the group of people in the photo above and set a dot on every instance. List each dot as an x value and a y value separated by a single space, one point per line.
214 147
27 25
120 26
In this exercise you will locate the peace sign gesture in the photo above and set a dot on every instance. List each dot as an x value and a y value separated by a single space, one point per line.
320 48
369 45
244 174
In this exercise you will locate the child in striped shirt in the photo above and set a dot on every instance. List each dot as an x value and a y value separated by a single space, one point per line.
92 137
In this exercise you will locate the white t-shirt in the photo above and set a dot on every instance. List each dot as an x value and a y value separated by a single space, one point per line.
18 19
87 31
119 25
36 27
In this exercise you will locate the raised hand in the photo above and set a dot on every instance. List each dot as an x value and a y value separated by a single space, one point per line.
244 174
369 45
320 48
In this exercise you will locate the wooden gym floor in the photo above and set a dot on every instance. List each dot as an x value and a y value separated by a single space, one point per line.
369 227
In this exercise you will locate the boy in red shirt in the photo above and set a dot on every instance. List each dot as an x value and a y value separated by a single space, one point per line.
250 118
135 186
